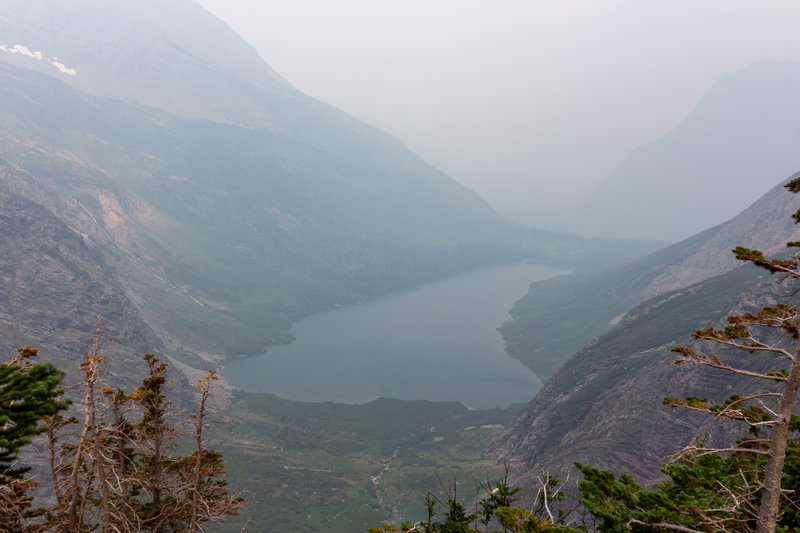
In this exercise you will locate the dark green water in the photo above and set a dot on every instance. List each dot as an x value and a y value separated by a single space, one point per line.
436 342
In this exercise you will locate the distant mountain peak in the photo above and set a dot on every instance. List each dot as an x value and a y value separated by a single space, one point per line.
744 131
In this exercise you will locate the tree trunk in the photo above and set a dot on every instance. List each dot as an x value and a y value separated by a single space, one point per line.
198 461
773 474
102 475
74 518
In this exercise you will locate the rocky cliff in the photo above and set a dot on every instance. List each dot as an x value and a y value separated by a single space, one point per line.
603 406
54 284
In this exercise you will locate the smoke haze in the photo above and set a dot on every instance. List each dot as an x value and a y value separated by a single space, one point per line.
531 104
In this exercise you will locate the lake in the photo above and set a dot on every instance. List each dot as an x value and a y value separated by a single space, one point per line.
435 342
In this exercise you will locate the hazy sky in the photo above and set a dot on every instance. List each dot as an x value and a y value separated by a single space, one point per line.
529 102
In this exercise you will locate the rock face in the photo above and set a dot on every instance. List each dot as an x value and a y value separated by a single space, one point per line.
765 225
53 286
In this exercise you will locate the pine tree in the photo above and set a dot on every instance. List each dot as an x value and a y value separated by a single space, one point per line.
28 393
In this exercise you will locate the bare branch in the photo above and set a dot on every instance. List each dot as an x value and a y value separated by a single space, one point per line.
664 525
686 355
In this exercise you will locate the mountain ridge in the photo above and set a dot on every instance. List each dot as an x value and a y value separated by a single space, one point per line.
559 316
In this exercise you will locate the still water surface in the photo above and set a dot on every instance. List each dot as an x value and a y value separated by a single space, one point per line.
436 342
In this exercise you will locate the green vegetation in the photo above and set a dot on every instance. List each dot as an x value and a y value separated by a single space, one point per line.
702 492
312 467
494 505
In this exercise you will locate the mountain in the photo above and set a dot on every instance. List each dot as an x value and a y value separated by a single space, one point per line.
743 131
227 203
603 405
559 316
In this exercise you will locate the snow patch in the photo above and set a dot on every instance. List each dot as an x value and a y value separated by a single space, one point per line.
37 55
24 50
63 69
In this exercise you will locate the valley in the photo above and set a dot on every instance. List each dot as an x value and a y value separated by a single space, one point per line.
382 332
310 466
